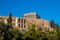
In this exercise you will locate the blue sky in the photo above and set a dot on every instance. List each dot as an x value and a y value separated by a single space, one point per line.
46 9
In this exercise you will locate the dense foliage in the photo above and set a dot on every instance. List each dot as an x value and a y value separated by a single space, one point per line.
9 33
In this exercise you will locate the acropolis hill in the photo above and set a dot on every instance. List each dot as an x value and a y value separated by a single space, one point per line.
29 18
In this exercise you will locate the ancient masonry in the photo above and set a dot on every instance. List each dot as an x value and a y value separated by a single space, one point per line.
29 18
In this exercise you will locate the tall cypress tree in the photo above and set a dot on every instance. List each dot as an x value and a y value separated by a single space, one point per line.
52 23
10 19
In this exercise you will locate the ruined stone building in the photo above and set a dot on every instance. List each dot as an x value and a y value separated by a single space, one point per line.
29 18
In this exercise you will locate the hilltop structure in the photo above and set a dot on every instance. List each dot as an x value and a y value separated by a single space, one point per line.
29 18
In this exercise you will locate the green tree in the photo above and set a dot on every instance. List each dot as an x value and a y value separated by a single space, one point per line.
32 34
58 32
4 31
51 35
52 23
14 33
10 19
1 31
